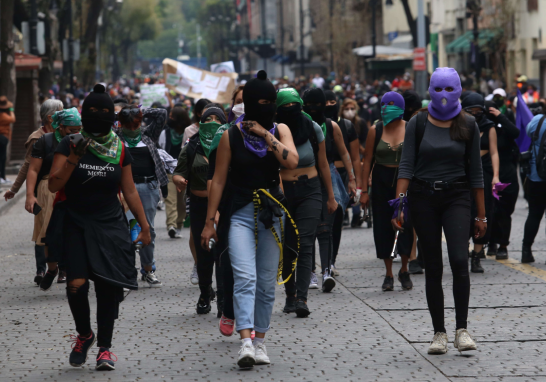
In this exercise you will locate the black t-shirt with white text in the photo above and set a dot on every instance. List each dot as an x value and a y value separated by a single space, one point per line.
94 183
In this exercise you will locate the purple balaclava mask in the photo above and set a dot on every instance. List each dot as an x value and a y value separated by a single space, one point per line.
444 105
392 112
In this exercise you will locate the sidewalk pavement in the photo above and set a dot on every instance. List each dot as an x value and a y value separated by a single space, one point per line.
355 333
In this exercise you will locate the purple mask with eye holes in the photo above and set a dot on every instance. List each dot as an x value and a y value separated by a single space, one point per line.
444 105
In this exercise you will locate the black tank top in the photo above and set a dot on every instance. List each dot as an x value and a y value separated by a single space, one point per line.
249 171
329 141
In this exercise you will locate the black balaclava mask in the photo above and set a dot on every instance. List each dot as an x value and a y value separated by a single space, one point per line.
98 122
316 97
412 100
256 89
476 100
489 104
331 112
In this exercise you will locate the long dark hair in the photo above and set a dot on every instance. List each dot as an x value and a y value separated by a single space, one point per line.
458 131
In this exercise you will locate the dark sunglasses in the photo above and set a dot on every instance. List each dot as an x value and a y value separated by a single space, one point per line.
126 113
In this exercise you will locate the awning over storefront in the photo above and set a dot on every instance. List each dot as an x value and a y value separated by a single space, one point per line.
539 54
383 52
462 44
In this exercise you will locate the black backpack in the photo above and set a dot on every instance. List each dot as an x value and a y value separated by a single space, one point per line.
541 155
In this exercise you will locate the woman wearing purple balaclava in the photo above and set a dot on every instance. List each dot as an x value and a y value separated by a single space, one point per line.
384 148
441 159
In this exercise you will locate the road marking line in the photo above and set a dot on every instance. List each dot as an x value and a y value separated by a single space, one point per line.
525 268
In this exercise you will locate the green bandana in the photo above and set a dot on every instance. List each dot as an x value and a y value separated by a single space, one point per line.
67 117
176 139
108 148
288 95
132 137
390 112
503 109
58 135
323 127
206 134
218 136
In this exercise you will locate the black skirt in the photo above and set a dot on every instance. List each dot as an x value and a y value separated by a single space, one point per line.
384 189
94 245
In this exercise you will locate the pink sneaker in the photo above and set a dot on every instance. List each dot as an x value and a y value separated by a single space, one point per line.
252 335
226 326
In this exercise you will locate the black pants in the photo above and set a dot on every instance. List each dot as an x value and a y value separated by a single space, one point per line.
3 154
383 190
39 254
536 196
337 228
304 202
227 284
108 299
205 259
431 211
503 209
324 235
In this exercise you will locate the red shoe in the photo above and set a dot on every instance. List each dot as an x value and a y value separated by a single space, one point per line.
226 326
252 335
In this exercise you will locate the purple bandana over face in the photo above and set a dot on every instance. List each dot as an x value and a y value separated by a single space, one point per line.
253 143
444 105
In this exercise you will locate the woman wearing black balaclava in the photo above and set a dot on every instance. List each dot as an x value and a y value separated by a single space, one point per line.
474 104
92 232
508 149
314 102
252 150
350 138
302 187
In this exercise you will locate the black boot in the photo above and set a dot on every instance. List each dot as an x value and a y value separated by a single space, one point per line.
302 311
527 254
290 306
502 253
475 266
492 249
206 297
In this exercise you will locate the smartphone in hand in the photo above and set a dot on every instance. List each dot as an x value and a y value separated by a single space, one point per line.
36 209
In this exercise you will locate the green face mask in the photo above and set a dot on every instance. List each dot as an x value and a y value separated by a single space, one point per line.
132 137
206 134
390 112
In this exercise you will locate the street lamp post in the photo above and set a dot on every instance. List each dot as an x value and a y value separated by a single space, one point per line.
302 64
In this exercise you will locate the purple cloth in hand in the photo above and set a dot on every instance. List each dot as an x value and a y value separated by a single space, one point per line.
395 203
256 144
498 188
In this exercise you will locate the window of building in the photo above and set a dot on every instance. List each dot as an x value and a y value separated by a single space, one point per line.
532 5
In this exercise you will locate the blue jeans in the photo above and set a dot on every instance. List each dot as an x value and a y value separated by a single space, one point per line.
149 196
254 270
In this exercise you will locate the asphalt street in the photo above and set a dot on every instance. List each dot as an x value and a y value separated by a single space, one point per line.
355 333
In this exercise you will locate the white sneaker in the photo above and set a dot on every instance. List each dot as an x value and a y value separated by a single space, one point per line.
194 277
313 284
334 271
178 234
152 280
463 341
247 356
328 282
261 355
438 344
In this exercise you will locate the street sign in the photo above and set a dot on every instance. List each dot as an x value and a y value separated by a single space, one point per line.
419 59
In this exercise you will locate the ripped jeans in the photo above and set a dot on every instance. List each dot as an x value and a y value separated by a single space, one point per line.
324 235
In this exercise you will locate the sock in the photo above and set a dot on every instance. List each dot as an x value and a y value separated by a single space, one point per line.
247 341
258 341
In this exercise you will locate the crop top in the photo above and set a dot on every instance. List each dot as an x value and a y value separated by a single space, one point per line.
387 155
305 150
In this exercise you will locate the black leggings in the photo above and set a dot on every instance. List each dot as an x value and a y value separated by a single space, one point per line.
108 299
536 196
304 202
205 259
431 211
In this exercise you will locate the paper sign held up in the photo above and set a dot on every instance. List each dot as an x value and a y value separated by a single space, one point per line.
197 83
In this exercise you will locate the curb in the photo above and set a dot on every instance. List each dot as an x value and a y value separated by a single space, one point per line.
6 206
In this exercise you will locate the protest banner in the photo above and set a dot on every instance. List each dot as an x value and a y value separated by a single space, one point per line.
153 93
198 83
223 67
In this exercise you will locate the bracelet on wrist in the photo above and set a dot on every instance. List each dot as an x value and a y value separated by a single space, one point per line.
72 163
481 220
364 192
